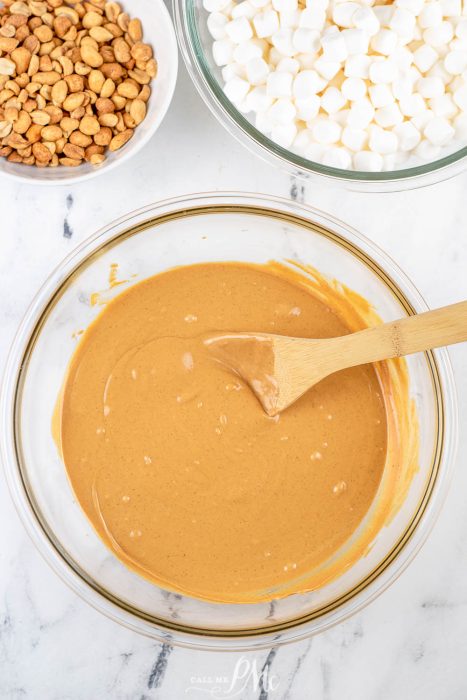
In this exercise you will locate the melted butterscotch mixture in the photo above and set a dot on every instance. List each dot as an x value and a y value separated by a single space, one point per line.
176 465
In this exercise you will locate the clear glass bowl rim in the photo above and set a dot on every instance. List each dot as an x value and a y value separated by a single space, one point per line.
202 638
243 130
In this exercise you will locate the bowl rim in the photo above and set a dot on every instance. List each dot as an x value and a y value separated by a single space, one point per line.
129 149
202 638
244 131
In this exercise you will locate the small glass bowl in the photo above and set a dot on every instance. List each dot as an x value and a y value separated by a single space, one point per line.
196 47
202 228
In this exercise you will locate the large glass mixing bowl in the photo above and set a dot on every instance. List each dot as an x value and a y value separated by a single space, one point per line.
201 228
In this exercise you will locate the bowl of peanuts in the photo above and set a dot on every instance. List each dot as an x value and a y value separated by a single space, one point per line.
371 94
83 85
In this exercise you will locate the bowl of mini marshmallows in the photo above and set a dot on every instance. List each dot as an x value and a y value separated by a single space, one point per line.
369 93
83 85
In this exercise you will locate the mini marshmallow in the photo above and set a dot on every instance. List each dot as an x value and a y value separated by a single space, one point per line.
425 57
284 134
460 125
455 62
439 35
402 57
279 84
361 113
247 50
308 109
334 47
215 5
327 69
342 14
430 87
427 151
388 116
222 52
306 60
412 105
383 71
342 117
460 98
315 152
257 71
402 87
382 141
258 100
239 30
380 95
443 106
289 65
438 131
368 162
312 18
365 18
283 42
431 15
357 66
285 5
355 139
451 8
384 14
337 157
289 20
408 135
282 111
243 9
332 100
236 89
307 83
421 119
306 40
216 25
301 141
461 29
413 6
384 42
353 89
325 130
266 23
259 3
356 41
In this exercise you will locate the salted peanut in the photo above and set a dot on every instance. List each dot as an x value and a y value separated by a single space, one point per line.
11 114
22 33
104 105
30 105
78 113
68 125
101 34
39 116
22 123
121 51
119 101
14 157
17 141
129 89
96 81
59 92
72 151
34 23
20 8
7 67
66 64
123 20
151 68
92 150
13 86
47 78
114 71
45 92
108 88
75 82
140 76
56 114
25 152
91 57
33 67
38 8
51 146
73 101
61 25
97 158
109 119
103 137
23 96
5 151
33 134
69 12
141 52
112 10
51 133
120 140
32 44
114 29
92 19
107 53
41 152
85 40
89 126
82 68
5 128
7 30
135 29
128 121
43 33
22 80
145 93
17 20
45 64
69 162
7 44
80 139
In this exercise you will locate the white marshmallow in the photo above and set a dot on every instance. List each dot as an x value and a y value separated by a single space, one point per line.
384 14
356 41
388 116
461 29
306 40
301 141
455 62
315 152
357 66
259 3
460 98
431 15
366 19
257 71
285 5
412 105
427 151
312 18
282 111
343 12
430 87
382 141
438 131
421 119
308 109
443 106
266 23
451 8
327 69
361 113
284 134
222 52
414 6
239 30
342 117
337 157
368 162
307 83
460 125
325 130
289 65
332 100
215 5
289 20
258 100
247 50
402 57
232 69
283 41
355 139
236 89
263 122
380 95
334 47
439 35
306 60
402 87
353 89
384 42
279 84
408 135
425 57
216 25
243 9
383 71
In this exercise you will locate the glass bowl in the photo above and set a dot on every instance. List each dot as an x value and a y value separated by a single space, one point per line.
196 43
201 228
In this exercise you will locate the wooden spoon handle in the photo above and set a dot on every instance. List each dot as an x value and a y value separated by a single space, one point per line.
431 329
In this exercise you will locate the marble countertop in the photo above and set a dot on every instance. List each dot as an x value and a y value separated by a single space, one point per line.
408 644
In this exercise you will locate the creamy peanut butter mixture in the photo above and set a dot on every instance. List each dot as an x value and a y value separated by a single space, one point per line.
176 465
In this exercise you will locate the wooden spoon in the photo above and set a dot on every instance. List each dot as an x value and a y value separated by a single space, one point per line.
280 369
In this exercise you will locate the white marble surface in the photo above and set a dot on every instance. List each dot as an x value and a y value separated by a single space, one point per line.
410 643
